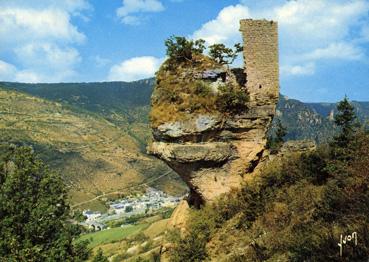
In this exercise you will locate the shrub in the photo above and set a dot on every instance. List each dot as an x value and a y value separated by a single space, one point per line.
192 246
231 100
202 89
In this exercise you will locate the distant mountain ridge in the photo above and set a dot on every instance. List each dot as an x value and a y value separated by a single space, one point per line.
330 109
313 120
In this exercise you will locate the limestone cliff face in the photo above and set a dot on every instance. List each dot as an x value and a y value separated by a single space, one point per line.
213 151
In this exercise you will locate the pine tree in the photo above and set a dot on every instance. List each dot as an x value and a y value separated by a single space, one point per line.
347 122
345 119
280 133
34 212
274 143
343 146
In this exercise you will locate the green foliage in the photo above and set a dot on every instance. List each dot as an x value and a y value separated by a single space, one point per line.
232 100
224 55
99 257
346 120
274 143
179 49
128 209
34 212
78 216
111 235
202 89
280 133
192 246
167 212
114 112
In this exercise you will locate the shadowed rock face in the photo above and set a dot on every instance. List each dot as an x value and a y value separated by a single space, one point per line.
213 152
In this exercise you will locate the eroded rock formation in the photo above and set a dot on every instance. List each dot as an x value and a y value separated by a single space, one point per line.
211 150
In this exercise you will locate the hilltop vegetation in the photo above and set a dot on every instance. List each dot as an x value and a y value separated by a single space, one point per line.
190 83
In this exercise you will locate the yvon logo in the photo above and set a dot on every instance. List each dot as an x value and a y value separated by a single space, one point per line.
345 239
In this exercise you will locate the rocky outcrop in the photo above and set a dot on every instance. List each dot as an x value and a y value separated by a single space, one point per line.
214 151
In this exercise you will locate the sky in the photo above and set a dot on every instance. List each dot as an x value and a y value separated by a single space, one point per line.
323 44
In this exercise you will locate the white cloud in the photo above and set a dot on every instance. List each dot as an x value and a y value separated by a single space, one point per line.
310 30
100 61
343 50
28 76
20 25
317 23
224 28
7 71
131 20
135 68
130 7
47 55
306 69
41 37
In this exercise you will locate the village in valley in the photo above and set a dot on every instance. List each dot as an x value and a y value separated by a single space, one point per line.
151 201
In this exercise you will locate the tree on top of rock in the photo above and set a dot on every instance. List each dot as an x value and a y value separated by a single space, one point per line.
224 55
179 49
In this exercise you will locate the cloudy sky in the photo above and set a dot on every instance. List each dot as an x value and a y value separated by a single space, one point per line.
324 44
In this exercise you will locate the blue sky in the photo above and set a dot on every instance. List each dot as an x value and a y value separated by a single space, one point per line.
324 45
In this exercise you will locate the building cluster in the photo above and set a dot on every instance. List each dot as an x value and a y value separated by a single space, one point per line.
152 200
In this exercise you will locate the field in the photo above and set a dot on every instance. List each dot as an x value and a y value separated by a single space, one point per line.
131 242
111 235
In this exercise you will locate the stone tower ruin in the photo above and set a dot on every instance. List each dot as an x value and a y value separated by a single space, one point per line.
260 54
215 153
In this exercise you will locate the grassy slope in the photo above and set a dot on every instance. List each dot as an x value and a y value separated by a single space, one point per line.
111 235
93 154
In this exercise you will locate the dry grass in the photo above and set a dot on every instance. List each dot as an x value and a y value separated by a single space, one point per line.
157 228
179 95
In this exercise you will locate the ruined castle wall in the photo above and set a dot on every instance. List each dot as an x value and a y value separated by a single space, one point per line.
260 53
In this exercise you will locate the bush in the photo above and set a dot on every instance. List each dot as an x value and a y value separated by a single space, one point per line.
202 89
192 246
232 100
